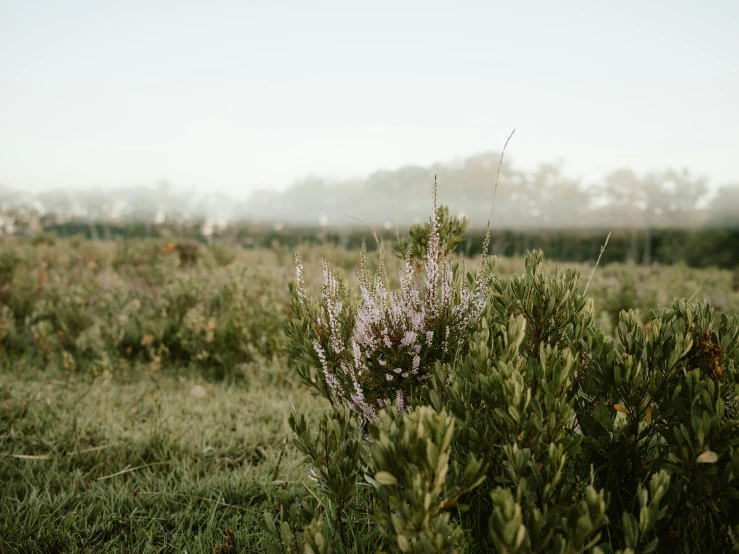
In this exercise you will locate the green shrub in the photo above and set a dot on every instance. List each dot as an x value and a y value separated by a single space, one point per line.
451 231
104 306
553 435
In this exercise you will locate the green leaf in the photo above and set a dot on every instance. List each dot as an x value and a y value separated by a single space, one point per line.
631 532
403 543
269 524
651 546
603 416
385 478
708 457
591 426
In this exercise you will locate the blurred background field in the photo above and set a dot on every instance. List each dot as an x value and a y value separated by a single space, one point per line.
95 306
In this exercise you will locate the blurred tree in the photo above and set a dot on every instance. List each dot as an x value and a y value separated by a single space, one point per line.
554 200
656 200
724 208
685 193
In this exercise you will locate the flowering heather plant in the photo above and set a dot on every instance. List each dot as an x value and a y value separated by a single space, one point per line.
380 352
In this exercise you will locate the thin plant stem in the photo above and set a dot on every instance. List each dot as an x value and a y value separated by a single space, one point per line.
602 249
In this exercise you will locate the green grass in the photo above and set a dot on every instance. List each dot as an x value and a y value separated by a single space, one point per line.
129 464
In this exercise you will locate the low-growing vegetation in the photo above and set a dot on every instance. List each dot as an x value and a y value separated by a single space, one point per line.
106 307
479 413
161 396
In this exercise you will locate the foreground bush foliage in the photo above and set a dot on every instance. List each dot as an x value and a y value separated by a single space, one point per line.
533 431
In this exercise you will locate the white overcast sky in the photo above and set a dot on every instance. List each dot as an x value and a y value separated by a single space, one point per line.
236 96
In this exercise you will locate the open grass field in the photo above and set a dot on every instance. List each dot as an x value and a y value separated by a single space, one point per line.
145 393
134 464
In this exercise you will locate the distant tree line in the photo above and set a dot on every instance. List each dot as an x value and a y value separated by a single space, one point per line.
703 247
663 217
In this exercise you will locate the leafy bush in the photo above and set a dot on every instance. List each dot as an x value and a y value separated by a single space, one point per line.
411 460
451 231
83 307
534 431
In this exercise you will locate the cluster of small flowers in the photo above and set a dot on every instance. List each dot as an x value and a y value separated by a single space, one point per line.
398 335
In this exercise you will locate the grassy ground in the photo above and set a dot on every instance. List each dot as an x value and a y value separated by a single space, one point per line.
142 465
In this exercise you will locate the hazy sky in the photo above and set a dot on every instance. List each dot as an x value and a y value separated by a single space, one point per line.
241 95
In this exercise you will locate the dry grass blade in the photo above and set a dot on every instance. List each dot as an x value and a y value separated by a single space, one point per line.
93 449
395 215
195 497
374 232
602 249
30 457
497 175
49 456
130 469
699 288
279 461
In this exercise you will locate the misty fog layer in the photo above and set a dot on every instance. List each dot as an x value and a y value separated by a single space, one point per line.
541 198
